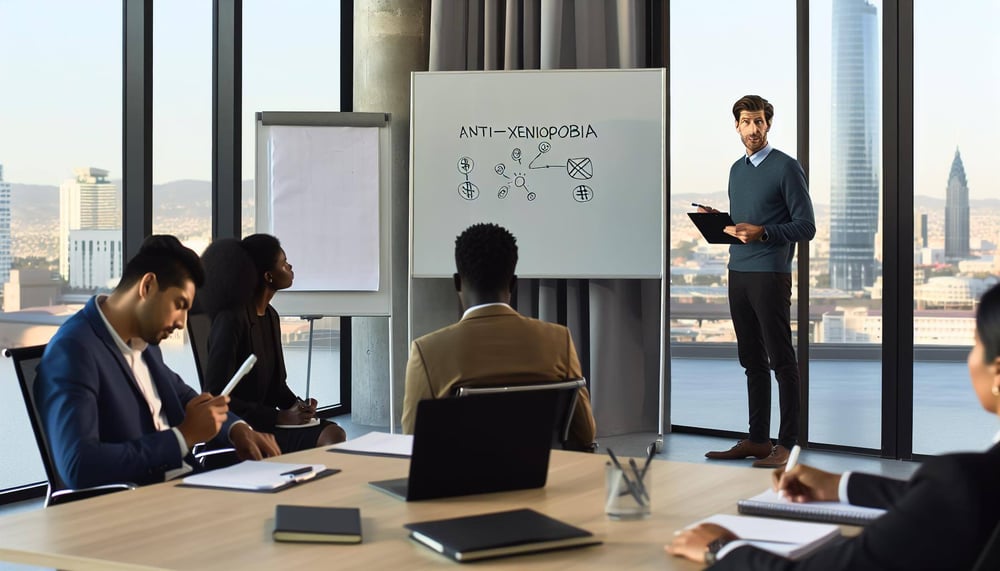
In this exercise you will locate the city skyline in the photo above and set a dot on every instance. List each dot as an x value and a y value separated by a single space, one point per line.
89 123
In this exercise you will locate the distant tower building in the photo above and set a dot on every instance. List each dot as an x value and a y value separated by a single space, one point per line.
855 136
95 258
87 202
920 230
5 254
956 212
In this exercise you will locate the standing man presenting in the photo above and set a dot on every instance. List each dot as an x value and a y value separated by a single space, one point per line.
769 198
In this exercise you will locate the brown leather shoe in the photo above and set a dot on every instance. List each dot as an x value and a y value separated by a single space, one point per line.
743 449
777 458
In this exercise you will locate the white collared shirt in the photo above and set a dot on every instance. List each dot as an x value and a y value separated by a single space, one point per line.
482 305
132 352
758 157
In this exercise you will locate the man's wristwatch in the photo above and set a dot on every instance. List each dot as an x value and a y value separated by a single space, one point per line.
713 549
764 237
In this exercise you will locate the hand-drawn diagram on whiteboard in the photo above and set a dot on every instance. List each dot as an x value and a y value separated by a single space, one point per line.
579 168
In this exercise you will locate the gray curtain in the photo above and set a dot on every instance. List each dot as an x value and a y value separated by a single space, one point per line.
621 318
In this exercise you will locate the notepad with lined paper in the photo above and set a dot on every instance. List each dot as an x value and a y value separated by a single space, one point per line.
769 503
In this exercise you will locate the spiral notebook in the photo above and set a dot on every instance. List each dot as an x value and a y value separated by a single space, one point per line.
769 503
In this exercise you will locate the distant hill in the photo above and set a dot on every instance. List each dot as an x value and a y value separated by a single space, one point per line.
180 198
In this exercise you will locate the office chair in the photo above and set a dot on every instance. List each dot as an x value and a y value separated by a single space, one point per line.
25 361
565 406
199 325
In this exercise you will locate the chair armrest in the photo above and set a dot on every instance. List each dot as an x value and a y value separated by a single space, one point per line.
70 495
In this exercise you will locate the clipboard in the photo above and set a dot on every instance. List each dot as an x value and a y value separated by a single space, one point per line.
712 226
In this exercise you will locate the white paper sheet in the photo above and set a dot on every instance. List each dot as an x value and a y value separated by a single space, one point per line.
325 205
379 443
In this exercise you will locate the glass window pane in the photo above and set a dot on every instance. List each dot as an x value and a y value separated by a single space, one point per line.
182 140
60 179
956 217
710 69
291 62
845 179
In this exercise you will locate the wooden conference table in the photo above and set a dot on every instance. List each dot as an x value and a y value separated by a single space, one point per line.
170 527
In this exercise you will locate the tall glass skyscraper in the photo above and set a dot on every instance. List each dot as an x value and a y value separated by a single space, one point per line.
89 201
855 145
956 212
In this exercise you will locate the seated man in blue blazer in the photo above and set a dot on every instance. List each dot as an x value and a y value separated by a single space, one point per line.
112 410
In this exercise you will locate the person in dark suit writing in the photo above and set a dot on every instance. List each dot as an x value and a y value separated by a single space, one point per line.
940 519
112 410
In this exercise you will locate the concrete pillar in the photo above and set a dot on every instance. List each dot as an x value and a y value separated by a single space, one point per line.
390 41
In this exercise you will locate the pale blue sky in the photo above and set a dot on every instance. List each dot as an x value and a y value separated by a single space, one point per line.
60 84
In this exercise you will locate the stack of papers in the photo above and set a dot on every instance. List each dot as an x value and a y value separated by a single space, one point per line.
791 539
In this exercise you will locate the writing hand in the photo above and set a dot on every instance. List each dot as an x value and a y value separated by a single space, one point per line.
745 232
806 484
706 209
693 542
296 414
203 417
252 445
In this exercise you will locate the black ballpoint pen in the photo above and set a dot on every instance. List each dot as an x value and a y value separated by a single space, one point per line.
298 471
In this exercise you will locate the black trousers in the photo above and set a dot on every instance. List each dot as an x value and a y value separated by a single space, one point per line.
760 304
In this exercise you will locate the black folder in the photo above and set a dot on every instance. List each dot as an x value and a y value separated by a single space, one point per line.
711 226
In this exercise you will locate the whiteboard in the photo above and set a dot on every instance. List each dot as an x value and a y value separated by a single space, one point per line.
572 162
322 183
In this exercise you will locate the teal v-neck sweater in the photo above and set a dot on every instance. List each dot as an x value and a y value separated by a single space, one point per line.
773 195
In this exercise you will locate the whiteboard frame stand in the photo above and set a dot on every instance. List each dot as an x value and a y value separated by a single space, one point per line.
312 305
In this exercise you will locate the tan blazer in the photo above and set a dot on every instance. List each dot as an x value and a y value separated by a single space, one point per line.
490 346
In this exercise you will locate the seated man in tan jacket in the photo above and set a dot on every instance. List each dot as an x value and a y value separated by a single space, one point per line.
493 344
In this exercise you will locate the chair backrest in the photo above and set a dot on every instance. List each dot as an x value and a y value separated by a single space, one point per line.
199 325
26 361
989 557
569 392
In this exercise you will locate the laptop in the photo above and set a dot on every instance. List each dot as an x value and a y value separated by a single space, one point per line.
478 444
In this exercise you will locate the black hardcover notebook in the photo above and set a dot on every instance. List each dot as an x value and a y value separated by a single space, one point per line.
711 226
317 524
499 534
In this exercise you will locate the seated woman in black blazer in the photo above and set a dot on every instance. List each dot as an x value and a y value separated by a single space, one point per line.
940 519
241 277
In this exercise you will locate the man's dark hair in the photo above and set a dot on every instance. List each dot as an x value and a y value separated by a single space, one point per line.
485 256
165 256
988 323
753 103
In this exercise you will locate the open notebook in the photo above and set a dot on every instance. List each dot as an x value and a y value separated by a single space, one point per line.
791 539
769 503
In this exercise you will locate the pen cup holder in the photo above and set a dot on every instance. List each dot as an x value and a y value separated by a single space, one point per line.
628 490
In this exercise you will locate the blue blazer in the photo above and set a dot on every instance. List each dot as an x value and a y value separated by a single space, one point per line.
98 423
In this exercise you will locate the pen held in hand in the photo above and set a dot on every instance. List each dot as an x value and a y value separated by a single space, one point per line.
240 373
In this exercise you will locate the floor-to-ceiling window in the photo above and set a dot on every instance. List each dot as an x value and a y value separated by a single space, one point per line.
845 180
291 62
60 190
719 51
956 214
182 140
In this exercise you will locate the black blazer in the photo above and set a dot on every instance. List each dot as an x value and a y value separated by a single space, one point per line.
940 519
259 395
